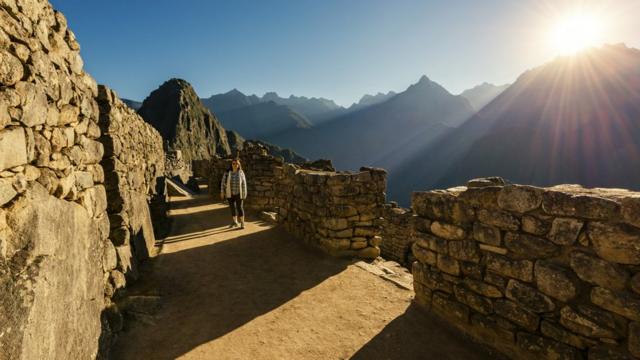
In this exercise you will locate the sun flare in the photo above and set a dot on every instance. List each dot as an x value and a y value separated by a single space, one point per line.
577 32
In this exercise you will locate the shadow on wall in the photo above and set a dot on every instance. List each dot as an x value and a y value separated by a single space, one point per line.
417 335
247 276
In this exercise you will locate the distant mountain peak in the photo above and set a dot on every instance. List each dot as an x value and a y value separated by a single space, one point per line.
234 91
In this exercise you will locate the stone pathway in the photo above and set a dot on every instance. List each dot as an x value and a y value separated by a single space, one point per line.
258 293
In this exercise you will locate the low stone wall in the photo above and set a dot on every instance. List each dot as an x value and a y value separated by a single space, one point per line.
53 223
552 273
397 234
337 212
134 168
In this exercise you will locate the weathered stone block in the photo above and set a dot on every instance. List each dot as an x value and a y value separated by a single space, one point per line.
616 243
597 271
493 249
535 226
471 270
520 198
483 288
555 281
424 255
527 246
495 279
7 192
620 303
429 278
564 231
11 69
635 283
511 311
449 309
486 182
604 352
517 269
465 250
548 348
487 324
441 205
486 234
34 104
582 325
13 148
499 219
485 197
448 265
529 297
554 331
447 231
471 299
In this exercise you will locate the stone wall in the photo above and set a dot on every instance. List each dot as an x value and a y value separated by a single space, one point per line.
397 234
53 223
134 168
337 212
551 273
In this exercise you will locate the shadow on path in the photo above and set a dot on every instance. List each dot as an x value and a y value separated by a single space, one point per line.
210 290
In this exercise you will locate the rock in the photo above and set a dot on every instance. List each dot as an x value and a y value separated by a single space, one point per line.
7 192
11 69
528 246
447 231
548 348
13 148
93 150
118 279
368 253
635 283
483 288
603 352
465 250
554 331
424 255
535 225
517 269
583 325
68 114
449 309
520 198
555 281
597 271
615 243
448 265
529 297
110 257
469 298
511 311
484 182
499 219
356 245
83 180
631 210
620 303
564 231
34 104
486 234
634 339
566 204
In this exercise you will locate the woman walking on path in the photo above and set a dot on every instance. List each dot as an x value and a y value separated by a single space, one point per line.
234 188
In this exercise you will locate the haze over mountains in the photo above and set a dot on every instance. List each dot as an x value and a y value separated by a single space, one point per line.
573 120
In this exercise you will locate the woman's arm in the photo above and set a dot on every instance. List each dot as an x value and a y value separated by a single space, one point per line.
223 185
243 183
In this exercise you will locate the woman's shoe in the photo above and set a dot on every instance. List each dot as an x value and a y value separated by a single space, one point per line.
233 225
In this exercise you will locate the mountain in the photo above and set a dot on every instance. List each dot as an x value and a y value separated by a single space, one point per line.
481 95
135 105
251 117
317 110
573 120
369 100
185 124
383 134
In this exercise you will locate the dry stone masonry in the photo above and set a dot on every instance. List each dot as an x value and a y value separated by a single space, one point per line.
397 234
54 227
533 272
134 168
337 212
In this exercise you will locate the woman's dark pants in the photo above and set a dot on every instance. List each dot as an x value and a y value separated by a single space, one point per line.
235 203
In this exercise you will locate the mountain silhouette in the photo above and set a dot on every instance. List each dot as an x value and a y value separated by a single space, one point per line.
385 133
481 95
573 120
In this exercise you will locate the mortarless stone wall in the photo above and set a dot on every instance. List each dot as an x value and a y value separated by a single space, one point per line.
337 212
134 168
53 223
397 234
551 273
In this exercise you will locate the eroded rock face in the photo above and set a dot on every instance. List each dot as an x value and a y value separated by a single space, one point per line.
52 292
185 124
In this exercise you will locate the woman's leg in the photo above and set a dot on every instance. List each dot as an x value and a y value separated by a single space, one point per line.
233 210
241 211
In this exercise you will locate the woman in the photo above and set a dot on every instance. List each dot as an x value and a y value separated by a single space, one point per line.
234 188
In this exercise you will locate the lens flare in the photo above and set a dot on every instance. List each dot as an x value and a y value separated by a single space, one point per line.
577 32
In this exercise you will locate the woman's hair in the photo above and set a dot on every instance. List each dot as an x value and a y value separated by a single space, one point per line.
231 166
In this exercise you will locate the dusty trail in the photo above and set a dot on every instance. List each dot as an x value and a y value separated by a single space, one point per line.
258 293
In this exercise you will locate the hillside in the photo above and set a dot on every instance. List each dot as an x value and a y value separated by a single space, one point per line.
481 95
573 120
176 112
385 133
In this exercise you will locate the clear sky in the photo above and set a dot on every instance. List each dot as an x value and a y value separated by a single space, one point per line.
338 49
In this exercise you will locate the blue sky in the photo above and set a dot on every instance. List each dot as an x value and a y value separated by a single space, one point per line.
335 49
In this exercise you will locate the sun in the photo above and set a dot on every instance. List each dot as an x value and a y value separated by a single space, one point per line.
577 32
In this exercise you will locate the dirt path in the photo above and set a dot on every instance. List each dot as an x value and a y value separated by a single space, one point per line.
258 293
